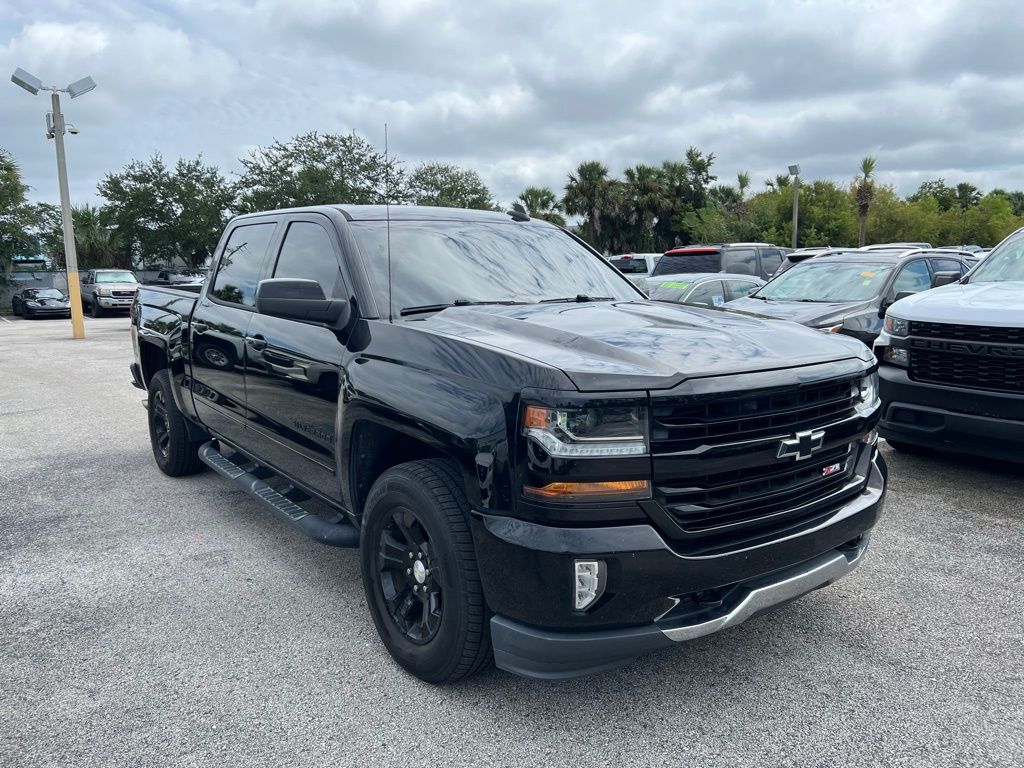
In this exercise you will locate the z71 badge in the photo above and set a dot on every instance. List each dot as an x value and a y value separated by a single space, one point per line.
831 469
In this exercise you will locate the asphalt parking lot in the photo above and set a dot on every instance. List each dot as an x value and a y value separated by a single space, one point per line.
151 621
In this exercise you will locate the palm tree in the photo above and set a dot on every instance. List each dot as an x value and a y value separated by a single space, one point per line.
645 197
96 243
588 194
967 195
542 203
864 195
743 183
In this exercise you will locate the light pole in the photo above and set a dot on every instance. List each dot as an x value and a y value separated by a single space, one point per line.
794 171
55 128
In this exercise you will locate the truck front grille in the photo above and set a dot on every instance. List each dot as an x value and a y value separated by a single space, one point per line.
956 332
122 294
966 369
716 466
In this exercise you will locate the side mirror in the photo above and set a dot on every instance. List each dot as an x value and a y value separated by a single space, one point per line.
303 300
945 278
903 295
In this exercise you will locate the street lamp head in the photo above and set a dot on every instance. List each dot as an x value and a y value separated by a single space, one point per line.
80 87
794 170
25 80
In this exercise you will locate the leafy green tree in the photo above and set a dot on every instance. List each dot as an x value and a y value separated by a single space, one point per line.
319 169
542 203
643 197
450 186
159 214
22 224
864 194
936 189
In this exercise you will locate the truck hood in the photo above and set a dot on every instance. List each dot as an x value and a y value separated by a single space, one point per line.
118 286
625 345
972 304
814 314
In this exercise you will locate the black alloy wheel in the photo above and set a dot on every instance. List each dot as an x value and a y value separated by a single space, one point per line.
412 592
161 424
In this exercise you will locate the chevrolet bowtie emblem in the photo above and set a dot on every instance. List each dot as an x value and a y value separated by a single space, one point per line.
801 445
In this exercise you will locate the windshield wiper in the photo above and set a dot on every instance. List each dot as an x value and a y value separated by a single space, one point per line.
578 298
457 303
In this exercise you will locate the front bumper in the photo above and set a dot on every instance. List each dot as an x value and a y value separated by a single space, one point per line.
108 303
947 418
655 595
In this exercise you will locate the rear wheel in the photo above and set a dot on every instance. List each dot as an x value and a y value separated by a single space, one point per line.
175 453
420 572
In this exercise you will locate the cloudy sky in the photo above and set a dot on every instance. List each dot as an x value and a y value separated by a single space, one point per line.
523 91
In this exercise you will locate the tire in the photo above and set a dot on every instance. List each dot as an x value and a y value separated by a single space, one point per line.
175 453
95 310
14 309
443 635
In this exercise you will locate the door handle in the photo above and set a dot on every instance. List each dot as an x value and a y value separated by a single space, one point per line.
257 342
199 326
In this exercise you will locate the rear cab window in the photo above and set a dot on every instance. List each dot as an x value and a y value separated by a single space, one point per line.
740 261
689 262
630 266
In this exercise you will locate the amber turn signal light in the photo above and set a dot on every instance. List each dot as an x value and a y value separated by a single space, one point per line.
610 489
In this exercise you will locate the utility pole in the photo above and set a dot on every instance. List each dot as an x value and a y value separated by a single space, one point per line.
70 254
55 128
794 171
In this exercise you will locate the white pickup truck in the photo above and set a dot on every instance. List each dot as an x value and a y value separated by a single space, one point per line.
108 289
952 361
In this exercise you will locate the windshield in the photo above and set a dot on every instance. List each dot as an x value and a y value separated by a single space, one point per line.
1004 263
43 293
115 277
814 280
443 262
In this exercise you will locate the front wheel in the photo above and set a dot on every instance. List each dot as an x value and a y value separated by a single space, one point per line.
420 572
95 310
175 453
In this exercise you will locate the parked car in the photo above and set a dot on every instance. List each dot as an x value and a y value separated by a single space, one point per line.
848 291
108 289
801 254
531 456
637 267
895 246
41 302
179 279
758 259
952 361
710 289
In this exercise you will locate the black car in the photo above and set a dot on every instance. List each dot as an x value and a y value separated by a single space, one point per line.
758 259
41 302
848 291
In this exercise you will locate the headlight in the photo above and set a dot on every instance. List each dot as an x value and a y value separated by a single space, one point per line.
896 326
865 393
587 433
30 303
102 291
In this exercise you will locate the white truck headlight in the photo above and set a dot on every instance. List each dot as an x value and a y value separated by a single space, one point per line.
587 433
896 326
102 291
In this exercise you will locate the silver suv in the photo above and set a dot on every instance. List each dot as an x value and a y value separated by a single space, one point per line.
108 289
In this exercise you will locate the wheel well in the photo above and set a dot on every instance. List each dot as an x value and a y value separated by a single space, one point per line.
152 358
375 448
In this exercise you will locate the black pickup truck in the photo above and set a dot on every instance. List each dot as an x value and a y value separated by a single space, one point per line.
533 459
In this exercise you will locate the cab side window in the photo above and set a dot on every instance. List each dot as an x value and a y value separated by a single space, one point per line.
735 289
239 267
771 260
308 253
912 277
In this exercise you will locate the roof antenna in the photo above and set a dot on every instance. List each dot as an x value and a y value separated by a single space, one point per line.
387 217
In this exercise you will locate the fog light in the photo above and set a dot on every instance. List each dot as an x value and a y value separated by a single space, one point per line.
897 356
588 582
